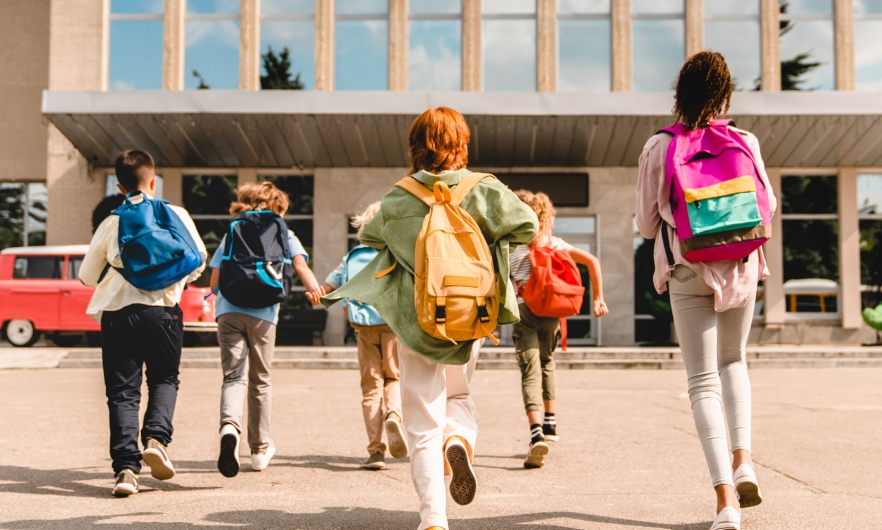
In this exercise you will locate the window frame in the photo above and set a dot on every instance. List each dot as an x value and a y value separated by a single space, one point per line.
681 16
757 18
607 17
212 17
456 17
281 17
534 16
816 17
128 17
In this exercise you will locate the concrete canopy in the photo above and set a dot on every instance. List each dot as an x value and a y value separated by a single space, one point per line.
282 129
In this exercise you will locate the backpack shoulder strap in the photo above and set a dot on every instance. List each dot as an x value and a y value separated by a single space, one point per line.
674 130
416 189
466 185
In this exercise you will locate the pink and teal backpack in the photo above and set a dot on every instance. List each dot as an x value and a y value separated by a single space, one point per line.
719 201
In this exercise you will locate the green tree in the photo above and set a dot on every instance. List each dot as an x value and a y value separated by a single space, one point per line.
278 71
11 215
202 85
793 69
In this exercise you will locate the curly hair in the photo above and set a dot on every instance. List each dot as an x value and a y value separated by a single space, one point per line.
541 204
704 89
358 221
439 141
260 196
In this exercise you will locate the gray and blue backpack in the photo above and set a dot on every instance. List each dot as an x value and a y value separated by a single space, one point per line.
361 316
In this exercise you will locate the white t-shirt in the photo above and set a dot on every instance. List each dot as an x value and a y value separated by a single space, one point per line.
520 266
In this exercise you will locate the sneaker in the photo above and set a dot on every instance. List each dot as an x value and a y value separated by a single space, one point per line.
375 461
259 461
536 455
727 519
747 487
463 484
549 429
156 457
126 483
228 461
395 436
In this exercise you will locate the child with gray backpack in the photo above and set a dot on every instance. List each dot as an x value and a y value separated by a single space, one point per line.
377 357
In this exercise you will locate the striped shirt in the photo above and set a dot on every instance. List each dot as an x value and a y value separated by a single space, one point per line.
519 263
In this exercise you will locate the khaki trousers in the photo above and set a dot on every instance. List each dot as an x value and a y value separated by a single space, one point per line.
378 362
247 342
535 339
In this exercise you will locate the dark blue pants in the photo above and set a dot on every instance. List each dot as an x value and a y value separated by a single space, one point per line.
132 337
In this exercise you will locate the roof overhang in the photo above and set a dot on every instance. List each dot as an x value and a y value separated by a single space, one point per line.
284 129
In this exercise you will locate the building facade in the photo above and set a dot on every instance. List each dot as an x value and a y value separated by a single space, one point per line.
560 95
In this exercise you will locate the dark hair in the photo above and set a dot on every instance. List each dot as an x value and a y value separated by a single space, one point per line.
439 141
134 168
105 207
704 89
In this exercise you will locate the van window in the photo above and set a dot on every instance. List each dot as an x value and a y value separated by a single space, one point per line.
37 267
73 267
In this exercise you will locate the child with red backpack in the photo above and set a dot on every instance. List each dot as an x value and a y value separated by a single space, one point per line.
703 194
549 290
377 357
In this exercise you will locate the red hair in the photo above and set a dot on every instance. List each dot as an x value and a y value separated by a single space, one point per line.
439 141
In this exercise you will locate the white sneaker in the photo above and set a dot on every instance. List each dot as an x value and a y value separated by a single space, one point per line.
728 519
228 461
156 457
747 487
395 436
259 461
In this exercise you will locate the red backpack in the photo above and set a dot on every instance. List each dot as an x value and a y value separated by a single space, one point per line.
554 288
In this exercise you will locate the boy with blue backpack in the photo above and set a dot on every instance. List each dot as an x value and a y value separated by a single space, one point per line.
140 261
253 269
377 357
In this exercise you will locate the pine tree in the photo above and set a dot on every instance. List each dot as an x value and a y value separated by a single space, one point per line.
202 85
278 71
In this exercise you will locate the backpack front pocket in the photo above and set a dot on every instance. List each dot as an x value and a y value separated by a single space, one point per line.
725 206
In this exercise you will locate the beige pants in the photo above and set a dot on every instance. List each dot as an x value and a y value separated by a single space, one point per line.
713 347
437 404
378 362
247 341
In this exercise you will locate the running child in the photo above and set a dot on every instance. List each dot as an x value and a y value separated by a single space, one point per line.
141 324
441 282
377 358
536 337
246 331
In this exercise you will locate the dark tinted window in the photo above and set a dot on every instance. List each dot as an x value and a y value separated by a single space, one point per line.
73 267
564 189
38 267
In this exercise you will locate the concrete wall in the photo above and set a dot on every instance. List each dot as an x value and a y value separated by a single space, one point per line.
23 131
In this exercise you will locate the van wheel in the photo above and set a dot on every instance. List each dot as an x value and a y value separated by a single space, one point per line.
21 333
65 341
191 339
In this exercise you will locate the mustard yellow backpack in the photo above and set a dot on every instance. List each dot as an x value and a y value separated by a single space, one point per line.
455 288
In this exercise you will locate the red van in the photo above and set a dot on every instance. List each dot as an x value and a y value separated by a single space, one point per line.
40 293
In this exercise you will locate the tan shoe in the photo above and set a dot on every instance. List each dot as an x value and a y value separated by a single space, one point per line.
156 457
126 483
395 436
463 483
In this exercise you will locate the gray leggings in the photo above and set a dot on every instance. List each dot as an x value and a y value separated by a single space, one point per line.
713 346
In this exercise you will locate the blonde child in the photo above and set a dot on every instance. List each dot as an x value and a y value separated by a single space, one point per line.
536 337
377 360
247 337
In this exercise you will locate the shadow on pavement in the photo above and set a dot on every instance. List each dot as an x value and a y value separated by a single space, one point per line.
339 518
327 463
71 482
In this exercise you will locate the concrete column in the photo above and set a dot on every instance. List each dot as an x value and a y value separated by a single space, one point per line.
249 45
324 45
621 45
849 250
105 45
471 46
771 45
775 304
173 45
247 175
546 45
694 27
172 184
843 26
397 44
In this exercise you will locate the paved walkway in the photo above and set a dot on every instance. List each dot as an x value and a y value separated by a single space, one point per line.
628 458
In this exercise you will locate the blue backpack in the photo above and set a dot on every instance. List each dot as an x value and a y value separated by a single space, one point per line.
361 316
156 248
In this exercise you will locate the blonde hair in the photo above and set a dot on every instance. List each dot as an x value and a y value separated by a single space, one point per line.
260 196
541 204
358 221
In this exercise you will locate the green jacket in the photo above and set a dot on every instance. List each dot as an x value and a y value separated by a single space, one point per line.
504 220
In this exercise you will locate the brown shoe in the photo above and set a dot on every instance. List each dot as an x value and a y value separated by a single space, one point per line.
375 462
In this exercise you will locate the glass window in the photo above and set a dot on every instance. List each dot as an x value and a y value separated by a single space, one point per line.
584 46
581 232
23 210
657 7
208 198
870 215
361 34
435 48
509 44
136 44
867 43
287 44
809 207
111 182
212 44
732 27
807 45
73 267
37 267
659 48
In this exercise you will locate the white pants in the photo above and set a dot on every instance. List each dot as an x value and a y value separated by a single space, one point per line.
713 347
436 403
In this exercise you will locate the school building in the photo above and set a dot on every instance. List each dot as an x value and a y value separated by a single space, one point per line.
561 96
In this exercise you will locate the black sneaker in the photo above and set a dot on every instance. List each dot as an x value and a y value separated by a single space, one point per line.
549 429
126 483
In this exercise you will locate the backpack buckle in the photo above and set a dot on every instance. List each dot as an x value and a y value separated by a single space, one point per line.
483 314
440 314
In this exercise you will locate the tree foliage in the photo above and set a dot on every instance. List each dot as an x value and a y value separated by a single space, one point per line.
278 71
202 84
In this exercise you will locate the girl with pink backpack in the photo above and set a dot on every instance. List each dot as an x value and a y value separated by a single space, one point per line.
703 194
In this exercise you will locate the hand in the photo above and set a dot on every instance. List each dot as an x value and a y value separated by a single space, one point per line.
600 308
314 294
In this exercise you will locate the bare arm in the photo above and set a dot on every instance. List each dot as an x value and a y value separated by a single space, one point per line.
314 291
593 264
215 279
